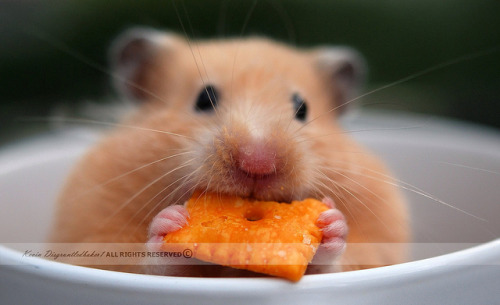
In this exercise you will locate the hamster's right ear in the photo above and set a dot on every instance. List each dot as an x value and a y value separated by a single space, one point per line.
344 70
132 56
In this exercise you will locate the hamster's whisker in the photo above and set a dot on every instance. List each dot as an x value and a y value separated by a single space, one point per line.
157 205
146 205
338 172
65 48
294 114
286 20
413 189
204 176
186 177
247 18
96 122
471 167
389 178
342 132
211 177
245 23
430 69
127 202
439 66
335 184
143 206
128 173
337 194
187 180
345 189
316 187
346 151
190 44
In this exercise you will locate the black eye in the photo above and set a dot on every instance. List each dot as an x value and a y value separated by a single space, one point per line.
207 100
300 107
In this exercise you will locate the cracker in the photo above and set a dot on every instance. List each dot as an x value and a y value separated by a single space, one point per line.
278 239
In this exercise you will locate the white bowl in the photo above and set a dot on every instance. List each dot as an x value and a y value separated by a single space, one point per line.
456 255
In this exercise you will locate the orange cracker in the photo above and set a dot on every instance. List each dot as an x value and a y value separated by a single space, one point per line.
278 239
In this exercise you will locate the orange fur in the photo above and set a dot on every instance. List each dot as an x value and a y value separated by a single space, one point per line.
255 77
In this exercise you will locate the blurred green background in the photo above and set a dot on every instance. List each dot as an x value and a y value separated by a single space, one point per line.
52 52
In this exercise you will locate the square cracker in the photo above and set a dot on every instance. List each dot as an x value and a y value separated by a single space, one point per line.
278 239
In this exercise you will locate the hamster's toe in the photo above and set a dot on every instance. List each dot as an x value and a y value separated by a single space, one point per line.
169 220
334 228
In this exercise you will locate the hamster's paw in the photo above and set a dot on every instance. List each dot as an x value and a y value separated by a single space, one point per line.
334 228
169 220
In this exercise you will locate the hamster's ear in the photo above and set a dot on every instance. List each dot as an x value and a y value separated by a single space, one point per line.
344 71
132 57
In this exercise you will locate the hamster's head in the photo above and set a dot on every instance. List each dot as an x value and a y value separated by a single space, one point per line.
256 118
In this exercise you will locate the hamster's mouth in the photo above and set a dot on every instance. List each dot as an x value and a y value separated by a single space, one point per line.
258 176
252 180
259 186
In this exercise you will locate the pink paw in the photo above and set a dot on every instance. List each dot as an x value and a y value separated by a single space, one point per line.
334 227
169 220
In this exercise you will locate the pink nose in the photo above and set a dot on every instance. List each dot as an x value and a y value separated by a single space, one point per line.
257 158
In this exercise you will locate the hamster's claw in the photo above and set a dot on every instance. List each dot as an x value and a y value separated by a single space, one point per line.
169 220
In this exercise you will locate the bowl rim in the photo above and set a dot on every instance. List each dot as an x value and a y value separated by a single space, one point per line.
486 254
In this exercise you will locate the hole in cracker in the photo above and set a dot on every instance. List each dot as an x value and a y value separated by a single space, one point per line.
254 215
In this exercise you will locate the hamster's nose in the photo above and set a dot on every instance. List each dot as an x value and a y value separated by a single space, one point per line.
257 158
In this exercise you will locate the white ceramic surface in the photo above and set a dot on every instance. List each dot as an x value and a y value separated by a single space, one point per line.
457 163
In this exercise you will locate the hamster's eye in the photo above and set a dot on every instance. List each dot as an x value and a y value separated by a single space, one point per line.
207 99
300 107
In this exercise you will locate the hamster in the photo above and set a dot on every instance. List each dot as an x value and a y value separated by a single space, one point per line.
250 117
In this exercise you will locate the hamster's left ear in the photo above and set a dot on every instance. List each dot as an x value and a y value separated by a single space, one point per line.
344 72
132 57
